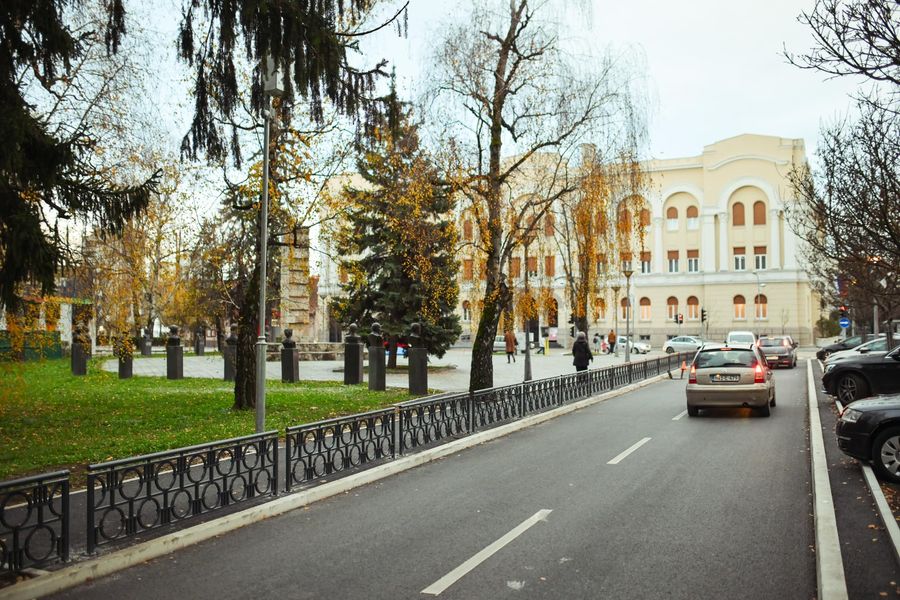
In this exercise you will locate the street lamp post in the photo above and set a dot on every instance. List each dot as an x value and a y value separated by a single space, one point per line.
628 273
527 376
756 302
615 290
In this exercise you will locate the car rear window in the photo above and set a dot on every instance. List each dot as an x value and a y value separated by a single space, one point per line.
740 339
771 342
734 357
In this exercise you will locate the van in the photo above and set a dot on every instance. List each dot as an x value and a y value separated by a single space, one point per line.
740 338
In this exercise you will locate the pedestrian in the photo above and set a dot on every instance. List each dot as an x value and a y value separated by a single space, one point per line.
611 340
581 352
596 341
511 342
604 347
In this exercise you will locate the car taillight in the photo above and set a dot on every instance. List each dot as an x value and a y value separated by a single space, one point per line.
692 378
759 375
785 343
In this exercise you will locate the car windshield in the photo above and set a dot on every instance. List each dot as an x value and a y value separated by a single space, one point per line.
725 357
740 338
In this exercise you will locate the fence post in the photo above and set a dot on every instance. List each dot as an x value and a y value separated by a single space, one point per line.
274 464
91 539
470 409
521 400
398 431
287 461
64 550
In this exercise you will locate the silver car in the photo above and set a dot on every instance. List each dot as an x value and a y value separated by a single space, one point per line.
682 343
730 376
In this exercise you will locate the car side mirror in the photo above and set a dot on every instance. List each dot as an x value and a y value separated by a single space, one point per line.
864 351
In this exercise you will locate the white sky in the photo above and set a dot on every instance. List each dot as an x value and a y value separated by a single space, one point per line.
715 67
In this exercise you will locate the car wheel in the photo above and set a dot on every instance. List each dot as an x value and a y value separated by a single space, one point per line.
693 411
886 455
772 401
851 387
670 350
764 410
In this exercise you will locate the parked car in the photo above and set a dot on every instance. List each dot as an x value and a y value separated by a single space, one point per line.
870 430
875 346
845 344
863 375
778 351
636 346
740 338
402 347
682 343
730 376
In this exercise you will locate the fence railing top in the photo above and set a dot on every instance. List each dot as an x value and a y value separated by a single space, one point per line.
186 449
51 477
337 420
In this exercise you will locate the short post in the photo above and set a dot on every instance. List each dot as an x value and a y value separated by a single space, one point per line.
376 359
353 357
147 342
230 354
79 351
200 341
174 355
126 366
418 362
290 358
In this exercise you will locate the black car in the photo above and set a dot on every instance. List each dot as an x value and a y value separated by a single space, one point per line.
845 344
870 430
779 351
863 375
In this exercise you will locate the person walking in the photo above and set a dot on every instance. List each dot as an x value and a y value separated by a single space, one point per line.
511 342
596 343
581 352
611 340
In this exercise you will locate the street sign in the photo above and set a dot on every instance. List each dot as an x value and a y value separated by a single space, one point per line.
844 322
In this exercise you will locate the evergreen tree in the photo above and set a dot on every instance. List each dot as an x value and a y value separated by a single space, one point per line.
396 238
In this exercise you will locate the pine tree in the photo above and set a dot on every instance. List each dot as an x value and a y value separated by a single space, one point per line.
396 238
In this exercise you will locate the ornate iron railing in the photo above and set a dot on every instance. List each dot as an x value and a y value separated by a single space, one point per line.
325 447
496 405
128 496
34 521
432 419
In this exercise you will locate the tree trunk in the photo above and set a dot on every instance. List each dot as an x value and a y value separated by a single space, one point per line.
482 373
245 361
392 352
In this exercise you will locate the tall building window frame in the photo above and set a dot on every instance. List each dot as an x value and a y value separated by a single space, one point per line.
740 308
761 307
693 308
759 258
671 308
693 261
693 218
740 259
672 257
646 313
671 219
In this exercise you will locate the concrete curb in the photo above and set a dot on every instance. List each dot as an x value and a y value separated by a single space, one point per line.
884 511
77 574
831 584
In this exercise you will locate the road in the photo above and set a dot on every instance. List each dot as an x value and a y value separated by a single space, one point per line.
710 507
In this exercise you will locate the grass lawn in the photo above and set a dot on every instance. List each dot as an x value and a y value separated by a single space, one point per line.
50 419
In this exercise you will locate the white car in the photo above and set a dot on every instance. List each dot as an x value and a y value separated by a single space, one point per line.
682 343
637 347
878 346
740 338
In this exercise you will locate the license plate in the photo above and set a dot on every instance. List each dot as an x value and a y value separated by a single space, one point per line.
724 378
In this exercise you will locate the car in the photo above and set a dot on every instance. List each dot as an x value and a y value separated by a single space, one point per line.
499 343
637 347
875 346
778 351
730 376
740 338
682 343
845 344
869 430
864 375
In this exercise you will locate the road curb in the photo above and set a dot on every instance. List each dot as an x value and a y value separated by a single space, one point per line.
830 580
77 574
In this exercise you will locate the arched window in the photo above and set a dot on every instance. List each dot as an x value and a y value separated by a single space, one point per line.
759 213
599 309
645 217
762 307
671 308
693 218
624 220
740 308
624 305
737 214
467 230
466 310
693 308
671 219
551 308
549 226
645 309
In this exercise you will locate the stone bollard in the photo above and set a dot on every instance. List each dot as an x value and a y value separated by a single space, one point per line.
200 341
126 367
147 343
376 359
290 358
80 353
418 362
230 354
353 357
174 355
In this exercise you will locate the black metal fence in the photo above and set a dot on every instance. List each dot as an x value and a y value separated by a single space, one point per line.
133 495
34 521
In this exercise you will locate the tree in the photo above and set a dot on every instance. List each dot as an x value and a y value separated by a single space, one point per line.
507 84
396 238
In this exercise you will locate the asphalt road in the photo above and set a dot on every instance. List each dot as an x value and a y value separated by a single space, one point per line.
712 507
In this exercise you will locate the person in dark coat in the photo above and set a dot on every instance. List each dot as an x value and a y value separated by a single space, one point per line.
581 352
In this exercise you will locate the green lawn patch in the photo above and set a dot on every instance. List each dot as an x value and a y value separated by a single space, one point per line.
50 419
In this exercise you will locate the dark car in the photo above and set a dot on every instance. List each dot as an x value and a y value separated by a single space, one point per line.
779 351
845 344
870 430
863 375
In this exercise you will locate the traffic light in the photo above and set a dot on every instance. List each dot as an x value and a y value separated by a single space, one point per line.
679 318
703 315
843 308
571 331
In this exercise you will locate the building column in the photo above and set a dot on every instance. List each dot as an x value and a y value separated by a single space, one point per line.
708 243
723 241
774 239
658 245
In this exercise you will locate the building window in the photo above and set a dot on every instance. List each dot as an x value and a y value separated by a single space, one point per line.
759 213
601 265
549 227
625 219
693 218
624 309
532 266
693 308
762 307
626 262
737 214
645 217
342 274
740 264
599 309
467 269
671 308
466 311
515 267
693 257
467 230
645 309
740 308
645 262
673 261
549 266
671 219
759 254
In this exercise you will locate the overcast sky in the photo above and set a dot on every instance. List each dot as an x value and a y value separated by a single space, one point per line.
715 68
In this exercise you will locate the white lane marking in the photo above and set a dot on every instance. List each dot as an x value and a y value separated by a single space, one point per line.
679 415
456 574
625 454
884 511
829 563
